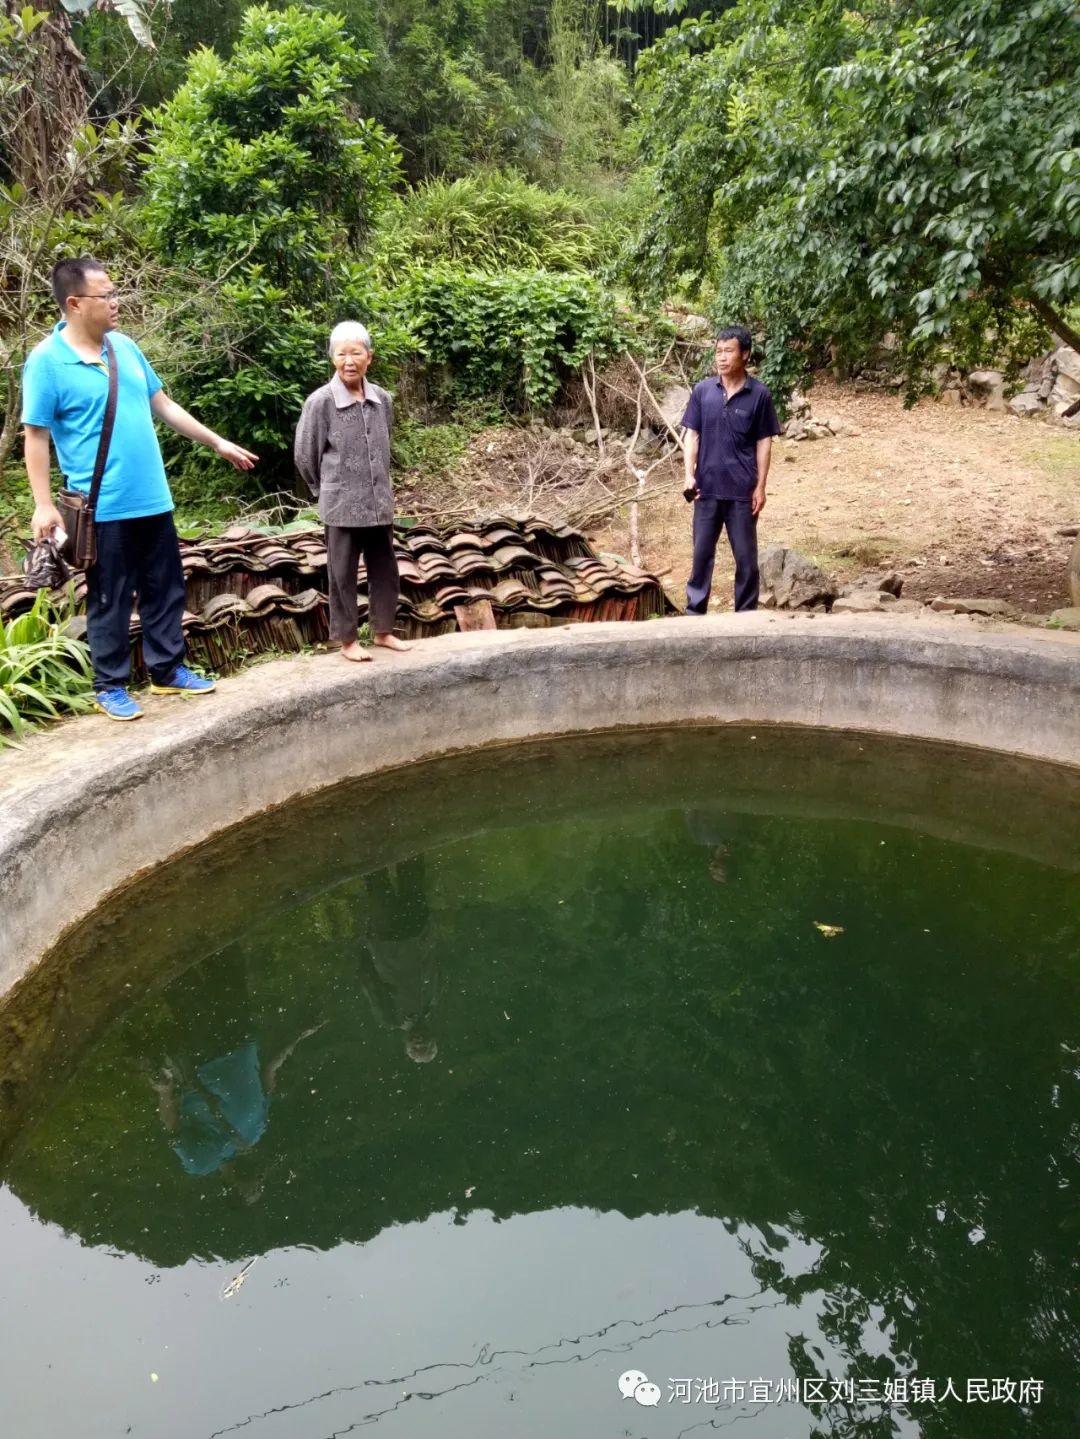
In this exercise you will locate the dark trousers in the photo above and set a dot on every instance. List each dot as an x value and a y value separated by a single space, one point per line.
710 517
137 561
344 546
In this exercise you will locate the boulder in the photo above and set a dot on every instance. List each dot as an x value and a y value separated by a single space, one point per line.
1067 619
885 581
971 606
1074 573
987 387
1026 403
865 602
1038 369
673 403
793 581
1065 388
1068 364
796 430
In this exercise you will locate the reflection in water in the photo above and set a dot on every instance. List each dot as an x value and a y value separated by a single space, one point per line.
399 969
671 1128
213 1092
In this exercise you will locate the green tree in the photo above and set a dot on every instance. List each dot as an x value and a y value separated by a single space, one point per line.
258 158
261 175
837 173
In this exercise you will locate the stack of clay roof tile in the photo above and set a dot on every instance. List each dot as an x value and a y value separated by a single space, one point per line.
250 591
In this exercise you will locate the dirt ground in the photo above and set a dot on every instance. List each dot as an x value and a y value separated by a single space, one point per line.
963 502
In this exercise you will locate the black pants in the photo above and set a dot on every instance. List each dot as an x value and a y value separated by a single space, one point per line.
137 561
344 546
710 517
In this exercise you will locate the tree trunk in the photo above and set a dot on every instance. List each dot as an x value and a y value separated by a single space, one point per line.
50 106
1053 321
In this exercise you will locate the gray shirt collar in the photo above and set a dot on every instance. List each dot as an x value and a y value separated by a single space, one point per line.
344 397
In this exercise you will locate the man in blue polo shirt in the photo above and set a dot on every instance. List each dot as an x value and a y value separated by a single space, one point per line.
65 388
730 423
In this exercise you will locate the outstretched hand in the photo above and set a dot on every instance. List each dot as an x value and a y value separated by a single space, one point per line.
239 458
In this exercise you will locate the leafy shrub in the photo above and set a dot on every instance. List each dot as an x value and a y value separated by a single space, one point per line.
251 356
257 172
44 673
257 159
515 336
490 221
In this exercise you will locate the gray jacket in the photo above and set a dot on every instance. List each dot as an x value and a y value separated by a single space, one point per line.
342 450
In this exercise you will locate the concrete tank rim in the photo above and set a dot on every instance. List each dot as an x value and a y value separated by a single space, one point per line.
292 726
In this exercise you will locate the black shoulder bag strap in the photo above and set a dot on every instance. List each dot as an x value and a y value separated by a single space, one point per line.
106 429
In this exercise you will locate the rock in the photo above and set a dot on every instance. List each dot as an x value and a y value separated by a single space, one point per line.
793 581
795 429
970 606
951 397
818 430
1068 364
789 458
1067 619
983 381
1074 573
988 388
672 404
1065 388
864 602
1025 404
1037 370
798 406
593 437
886 581
1069 531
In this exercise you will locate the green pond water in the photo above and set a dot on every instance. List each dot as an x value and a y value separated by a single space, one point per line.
441 1102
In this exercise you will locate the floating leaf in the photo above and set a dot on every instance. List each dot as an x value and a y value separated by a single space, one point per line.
830 931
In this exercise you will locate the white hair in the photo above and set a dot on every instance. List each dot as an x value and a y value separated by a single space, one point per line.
349 330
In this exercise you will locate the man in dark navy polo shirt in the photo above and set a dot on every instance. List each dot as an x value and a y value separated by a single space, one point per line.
730 423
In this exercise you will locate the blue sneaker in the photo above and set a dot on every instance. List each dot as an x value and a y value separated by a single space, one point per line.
116 703
183 682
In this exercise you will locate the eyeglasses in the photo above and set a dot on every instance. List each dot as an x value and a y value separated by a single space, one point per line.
109 295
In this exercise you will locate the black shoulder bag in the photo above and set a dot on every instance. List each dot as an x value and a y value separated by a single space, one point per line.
77 509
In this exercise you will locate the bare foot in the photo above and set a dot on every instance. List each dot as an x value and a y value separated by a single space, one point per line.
391 642
352 651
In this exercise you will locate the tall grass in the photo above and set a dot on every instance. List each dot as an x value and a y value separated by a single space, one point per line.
44 673
490 221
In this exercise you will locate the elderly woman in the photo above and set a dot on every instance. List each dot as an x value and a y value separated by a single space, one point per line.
342 450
